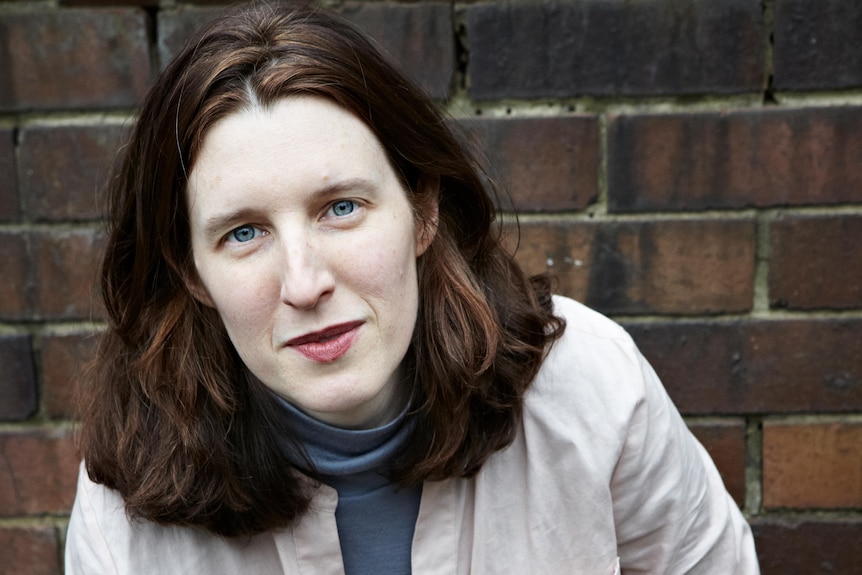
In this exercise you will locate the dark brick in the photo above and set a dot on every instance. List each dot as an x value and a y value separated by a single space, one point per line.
103 63
66 267
16 281
818 44
419 37
29 551
10 209
17 378
546 164
63 361
670 267
64 169
561 249
38 471
725 442
808 547
760 158
49 274
176 26
816 262
778 366
595 47
812 465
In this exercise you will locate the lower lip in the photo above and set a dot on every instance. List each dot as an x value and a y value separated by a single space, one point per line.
329 350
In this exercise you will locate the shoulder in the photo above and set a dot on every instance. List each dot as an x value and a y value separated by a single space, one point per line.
594 363
587 390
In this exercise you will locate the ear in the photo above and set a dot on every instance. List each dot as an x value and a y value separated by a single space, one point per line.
428 212
198 290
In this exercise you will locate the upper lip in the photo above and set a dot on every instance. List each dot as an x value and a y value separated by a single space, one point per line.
325 333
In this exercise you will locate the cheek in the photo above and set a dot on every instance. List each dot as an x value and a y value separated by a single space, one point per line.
241 296
382 268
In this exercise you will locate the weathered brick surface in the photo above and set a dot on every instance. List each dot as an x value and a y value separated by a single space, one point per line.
809 547
64 169
595 47
18 398
29 551
419 37
672 267
812 465
752 366
691 161
38 471
16 279
104 63
9 203
49 274
818 44
63 360
545 164
725 442
816 262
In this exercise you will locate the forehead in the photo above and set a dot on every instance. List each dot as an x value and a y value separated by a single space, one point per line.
302 133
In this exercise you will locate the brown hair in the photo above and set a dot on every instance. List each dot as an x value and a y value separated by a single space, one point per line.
171 418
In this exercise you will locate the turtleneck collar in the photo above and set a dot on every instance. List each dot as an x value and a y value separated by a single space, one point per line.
352 461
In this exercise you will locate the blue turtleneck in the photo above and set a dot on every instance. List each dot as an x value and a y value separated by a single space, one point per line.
375 517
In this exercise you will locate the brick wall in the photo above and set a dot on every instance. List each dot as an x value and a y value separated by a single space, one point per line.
692 168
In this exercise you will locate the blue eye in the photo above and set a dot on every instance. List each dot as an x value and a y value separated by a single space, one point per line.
244 234
343 208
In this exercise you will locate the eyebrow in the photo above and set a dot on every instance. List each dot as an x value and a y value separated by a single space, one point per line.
218 224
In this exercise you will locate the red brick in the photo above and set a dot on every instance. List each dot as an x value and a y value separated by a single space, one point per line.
757 366
816 262
9 204
49 274
670 266
546 164
29 551
38 472
63 361
17 378
808 547
594 47
765 157
562 249
64 169
818 44
76 58
420 38
725 442
812 465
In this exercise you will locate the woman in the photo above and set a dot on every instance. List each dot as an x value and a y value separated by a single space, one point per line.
319 358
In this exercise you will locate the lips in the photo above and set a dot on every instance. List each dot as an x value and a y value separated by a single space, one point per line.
327 345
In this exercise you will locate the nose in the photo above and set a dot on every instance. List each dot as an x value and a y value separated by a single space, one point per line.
306 277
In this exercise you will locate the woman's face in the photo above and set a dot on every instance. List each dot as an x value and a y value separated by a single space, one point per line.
305 243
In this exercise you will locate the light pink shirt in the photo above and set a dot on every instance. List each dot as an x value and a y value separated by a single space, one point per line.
603 476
